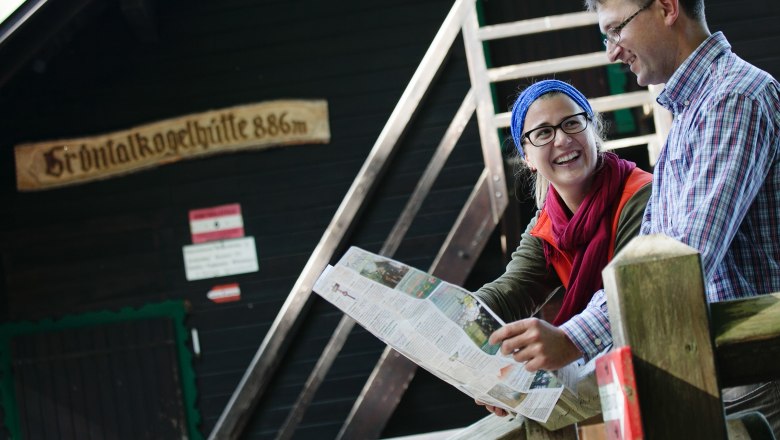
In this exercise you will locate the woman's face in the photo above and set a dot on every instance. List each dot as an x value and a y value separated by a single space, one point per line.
570 160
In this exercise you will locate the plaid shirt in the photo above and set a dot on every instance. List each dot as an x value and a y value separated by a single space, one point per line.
716 186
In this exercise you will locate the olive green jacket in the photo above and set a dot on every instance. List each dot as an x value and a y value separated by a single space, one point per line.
528 282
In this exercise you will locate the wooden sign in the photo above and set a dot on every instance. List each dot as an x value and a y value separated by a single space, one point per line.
51 164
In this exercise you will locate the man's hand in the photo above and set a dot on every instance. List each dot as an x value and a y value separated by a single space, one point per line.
539 343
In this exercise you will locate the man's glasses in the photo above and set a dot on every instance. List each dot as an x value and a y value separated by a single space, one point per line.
541 136
613 33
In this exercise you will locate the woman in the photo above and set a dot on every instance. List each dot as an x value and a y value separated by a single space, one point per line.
592 204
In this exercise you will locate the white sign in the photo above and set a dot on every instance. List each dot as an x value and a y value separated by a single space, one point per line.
220 258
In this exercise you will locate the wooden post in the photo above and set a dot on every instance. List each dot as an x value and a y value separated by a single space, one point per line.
657 306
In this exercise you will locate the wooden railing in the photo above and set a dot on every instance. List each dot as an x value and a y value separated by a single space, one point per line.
684 349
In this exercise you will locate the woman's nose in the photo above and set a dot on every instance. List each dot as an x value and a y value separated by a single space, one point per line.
561 137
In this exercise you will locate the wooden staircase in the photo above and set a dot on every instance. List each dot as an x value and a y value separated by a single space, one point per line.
479 217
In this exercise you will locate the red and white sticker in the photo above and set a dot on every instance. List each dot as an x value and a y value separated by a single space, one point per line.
618 393
216 223
224 293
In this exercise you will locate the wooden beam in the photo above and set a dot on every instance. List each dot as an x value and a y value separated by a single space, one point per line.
547 67
601 104
493 427
535 431
657 306
537 25
512 428
747 337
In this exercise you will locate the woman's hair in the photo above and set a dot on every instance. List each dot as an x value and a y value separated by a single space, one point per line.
524 174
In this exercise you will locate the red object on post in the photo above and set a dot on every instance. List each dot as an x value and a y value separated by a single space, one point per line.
619 400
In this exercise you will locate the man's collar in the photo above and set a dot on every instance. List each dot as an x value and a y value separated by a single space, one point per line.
686 80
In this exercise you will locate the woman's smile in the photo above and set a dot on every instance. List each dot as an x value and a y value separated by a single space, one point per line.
567 158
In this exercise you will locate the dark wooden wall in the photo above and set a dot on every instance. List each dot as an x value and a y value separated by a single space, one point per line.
117 243
68 382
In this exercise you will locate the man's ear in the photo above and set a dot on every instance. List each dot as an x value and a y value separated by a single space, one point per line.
671 10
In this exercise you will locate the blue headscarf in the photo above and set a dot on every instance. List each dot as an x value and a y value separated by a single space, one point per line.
531 94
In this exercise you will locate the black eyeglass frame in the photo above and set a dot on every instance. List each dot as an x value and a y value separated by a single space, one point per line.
527 134
613 34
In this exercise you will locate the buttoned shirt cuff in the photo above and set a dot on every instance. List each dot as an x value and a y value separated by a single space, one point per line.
590 330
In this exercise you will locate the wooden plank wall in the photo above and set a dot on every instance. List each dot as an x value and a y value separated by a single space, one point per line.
118 242
751 28
74 382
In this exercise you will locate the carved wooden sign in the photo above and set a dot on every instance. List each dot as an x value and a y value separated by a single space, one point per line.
51 164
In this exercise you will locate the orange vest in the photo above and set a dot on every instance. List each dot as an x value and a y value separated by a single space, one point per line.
543 229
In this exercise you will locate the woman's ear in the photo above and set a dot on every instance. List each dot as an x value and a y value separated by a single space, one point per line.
529 165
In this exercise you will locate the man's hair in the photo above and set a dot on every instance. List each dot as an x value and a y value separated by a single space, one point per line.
693 8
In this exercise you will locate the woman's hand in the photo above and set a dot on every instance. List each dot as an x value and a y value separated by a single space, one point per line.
538 343
501 412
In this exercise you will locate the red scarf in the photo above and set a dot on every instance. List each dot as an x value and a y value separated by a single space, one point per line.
587 233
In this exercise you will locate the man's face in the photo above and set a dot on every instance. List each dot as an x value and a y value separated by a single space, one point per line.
644 41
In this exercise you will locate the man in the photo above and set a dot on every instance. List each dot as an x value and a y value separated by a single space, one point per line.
717 182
